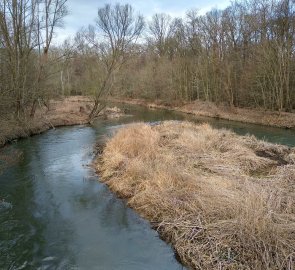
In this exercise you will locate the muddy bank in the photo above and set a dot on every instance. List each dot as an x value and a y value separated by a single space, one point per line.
223 201
209 109
64 112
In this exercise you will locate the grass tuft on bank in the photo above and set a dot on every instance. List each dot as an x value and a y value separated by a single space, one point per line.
223 201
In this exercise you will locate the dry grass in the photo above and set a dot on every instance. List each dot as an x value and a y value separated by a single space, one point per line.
64 112
209 109
224 201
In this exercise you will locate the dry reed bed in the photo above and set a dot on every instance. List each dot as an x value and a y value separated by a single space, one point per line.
209 109
224 201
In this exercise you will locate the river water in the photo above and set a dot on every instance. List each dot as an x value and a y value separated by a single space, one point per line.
56 215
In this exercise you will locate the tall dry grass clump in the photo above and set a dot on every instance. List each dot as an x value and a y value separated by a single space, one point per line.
224 201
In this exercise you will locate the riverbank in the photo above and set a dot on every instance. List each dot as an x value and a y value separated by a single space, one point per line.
64 112
209 109
223 201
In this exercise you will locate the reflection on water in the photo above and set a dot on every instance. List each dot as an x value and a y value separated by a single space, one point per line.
63 218
271 134
56 215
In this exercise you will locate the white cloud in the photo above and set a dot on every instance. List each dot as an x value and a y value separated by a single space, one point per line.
83 12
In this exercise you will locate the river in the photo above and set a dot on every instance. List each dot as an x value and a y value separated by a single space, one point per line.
56 215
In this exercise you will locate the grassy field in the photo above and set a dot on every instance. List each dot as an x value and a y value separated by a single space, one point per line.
224 201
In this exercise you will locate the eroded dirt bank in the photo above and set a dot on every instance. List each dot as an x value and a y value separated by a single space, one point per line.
209 109
64 112
224 201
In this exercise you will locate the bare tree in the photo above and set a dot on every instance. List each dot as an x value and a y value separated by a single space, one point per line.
116 31
17 19
160 30
241 56
27 29
50 16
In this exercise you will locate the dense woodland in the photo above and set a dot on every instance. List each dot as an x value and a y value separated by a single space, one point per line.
241 56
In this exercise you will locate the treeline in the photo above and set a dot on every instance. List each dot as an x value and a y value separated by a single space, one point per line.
28 61
240 56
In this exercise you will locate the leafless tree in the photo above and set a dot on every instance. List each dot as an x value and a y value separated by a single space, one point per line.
160 30
242 56
115 32
27 28
50 16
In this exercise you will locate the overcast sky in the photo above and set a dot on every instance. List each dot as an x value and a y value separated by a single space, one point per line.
83 12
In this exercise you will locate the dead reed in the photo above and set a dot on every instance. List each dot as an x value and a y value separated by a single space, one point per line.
224 201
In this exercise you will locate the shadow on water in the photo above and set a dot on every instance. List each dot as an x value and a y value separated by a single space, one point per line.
60 217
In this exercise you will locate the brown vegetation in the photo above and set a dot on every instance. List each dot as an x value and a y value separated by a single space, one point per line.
224 201
64 112
210 109
238 57
59 113
28 62
241 56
